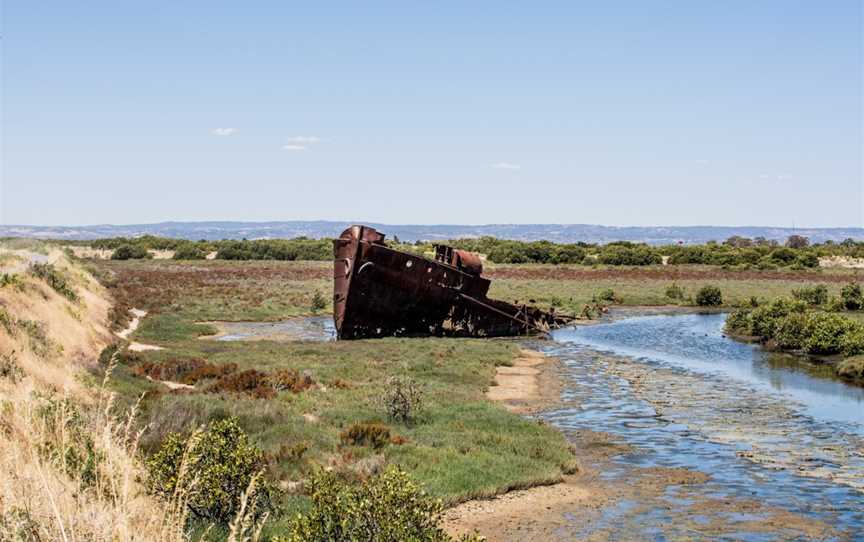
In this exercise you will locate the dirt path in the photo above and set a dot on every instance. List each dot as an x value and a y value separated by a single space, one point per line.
137 316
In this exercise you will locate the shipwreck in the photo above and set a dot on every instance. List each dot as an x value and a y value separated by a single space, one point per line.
379 291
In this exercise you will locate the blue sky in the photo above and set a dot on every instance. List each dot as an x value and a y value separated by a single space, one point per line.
619 112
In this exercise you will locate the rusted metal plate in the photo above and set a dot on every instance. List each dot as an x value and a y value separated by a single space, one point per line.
379 291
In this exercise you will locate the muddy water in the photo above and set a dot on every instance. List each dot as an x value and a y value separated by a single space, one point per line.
782 446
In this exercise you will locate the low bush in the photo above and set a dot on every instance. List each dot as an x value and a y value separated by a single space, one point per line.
9 368
189 252
386 507
318 303
249 382
812 295
211 470
402 399
630 255
740 321
290 380
852 297
852 343
54 279
376 435
792 331
130 252
675 292
825 333
709 296
607 295
852 368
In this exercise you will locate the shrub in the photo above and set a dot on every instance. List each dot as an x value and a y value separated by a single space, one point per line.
388 506
852 368
373 434
130 252
739 321
826 332
318 302
402 399
765 319
835 304
189 252
623 255
709 296
290 380
792 331
852 297
607 295
807 260
250 382
54 279
812 295
212 469
797 241
852 342
675 292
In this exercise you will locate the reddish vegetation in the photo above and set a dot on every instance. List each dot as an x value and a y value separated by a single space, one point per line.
185 370
250 382
290 380
154 284
371 434
225 376
667 273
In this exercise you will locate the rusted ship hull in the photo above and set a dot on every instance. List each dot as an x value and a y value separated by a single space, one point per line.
379 291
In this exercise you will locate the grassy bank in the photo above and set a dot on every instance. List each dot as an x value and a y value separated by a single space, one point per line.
460 446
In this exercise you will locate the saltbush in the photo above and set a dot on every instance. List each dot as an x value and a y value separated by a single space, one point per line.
318 303
607 295
709 296
852 297
189 252
211 470
386 507
825 333
376 435
812 295
852 342
675 292
130 252
792 331
739 321
55 279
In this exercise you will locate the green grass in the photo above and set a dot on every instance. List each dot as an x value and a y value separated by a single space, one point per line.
461 446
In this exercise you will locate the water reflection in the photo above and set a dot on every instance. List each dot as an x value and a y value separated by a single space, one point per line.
696 342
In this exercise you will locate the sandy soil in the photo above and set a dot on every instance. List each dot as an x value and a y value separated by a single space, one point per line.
842 262
137 316
530 385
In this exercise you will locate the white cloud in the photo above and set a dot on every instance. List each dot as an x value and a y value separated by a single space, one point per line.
294 147
703 162
303 140
505 165
223 131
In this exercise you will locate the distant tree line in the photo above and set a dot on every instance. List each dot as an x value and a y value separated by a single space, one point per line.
740 252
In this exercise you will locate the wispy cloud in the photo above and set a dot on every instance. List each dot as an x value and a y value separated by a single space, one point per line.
303 140
775 177
223 131
292 147
505 165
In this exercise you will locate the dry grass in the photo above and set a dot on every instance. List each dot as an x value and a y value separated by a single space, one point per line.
69 467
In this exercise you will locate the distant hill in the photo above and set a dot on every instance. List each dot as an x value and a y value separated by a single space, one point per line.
526 232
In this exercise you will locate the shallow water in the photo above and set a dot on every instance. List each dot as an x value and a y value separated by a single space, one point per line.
766 429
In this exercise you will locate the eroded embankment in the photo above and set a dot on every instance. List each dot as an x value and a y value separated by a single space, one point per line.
68 469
